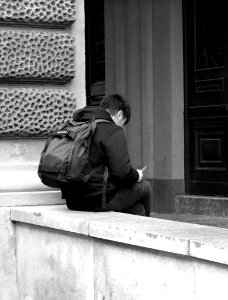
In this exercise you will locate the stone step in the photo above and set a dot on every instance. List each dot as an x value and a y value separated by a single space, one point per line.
201 205
19 178
20 185
30 198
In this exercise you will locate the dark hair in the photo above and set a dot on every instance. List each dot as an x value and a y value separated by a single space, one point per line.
114 103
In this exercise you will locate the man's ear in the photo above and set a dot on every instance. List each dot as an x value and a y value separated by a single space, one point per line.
120 113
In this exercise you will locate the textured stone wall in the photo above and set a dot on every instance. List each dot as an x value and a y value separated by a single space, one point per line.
38 11
31 112
44 57
36 56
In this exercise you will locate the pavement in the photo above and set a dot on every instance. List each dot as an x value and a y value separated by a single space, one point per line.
214 221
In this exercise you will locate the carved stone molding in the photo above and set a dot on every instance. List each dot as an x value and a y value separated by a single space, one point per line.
36 56
58 12
34 112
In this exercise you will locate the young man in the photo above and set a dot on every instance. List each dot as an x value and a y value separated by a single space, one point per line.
126 191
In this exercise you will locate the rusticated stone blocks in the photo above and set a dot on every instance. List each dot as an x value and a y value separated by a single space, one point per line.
36 56
38 11
34 112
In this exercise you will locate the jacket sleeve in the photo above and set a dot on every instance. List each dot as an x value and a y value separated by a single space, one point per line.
118 159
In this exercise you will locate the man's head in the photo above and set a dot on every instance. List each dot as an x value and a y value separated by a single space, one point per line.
118 108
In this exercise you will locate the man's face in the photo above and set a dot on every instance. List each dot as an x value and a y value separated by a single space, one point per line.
119 118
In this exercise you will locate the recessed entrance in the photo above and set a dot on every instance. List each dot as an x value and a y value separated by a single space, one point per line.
206 107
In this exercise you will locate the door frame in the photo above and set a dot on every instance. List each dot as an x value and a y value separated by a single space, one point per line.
186 43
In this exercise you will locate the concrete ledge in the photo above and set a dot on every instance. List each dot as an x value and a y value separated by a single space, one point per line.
10 199
204 242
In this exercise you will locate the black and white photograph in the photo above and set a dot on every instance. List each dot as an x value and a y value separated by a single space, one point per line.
113 150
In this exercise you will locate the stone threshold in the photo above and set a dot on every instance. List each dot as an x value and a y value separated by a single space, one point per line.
193 240
201 205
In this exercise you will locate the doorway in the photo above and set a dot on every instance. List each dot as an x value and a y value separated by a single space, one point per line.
206 97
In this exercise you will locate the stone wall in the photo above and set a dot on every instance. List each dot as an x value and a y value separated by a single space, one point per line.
39 12
37 65
62 254
29 112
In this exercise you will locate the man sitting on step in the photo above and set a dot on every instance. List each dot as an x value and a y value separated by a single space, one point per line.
126 190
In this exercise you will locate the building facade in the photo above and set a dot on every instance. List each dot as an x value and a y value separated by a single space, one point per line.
164 56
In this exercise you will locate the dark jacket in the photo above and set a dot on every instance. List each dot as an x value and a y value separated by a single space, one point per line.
108 147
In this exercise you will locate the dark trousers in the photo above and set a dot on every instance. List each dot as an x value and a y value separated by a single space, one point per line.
134 200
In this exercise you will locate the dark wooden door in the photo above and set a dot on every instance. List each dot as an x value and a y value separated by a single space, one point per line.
206 94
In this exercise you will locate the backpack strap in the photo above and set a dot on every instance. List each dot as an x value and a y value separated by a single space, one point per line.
105 181
102 121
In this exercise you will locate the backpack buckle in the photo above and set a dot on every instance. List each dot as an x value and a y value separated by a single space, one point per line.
62 132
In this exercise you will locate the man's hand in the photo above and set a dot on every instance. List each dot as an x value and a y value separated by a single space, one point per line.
141 173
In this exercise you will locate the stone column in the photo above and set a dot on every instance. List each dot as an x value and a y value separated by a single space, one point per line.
168 95
42 81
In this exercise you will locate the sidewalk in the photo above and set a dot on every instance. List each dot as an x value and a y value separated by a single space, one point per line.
221 222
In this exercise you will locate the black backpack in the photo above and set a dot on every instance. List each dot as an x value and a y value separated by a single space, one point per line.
65 157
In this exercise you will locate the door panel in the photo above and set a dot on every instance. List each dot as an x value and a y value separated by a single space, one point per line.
206 108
